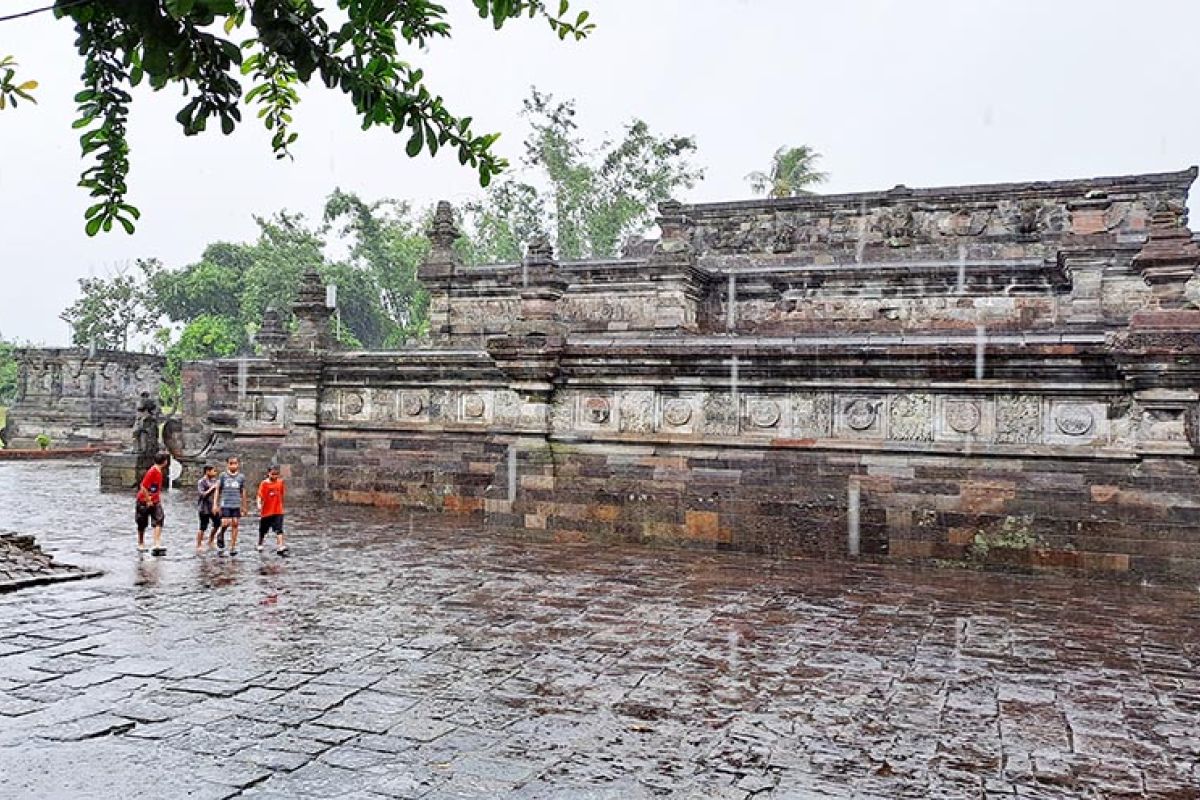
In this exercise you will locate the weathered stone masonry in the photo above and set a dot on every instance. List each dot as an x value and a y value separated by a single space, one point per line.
76 396
1002 372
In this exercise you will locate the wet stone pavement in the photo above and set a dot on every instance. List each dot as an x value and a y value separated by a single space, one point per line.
392 657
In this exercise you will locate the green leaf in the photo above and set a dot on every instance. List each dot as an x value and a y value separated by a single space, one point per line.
93 225
416 142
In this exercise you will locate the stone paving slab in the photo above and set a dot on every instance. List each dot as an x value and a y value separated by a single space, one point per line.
443 663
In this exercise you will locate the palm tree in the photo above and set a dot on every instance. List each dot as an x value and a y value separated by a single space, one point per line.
792 169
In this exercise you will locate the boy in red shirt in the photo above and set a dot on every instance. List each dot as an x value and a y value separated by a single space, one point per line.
270 509
149 504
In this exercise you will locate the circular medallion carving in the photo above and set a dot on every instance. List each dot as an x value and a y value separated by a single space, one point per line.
860 414
596 410
677 412
473 406
764 413
352 403
963 415
411 405
1074 420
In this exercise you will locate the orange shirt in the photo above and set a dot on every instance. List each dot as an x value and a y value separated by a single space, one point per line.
270 494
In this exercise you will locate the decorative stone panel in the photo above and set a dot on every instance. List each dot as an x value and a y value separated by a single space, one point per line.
964 419
414 405
812 415
1018 419
1076 422
475 408
764 416
595 411
352 404
382 405
678 415
636 412
911 417
720 411
859 417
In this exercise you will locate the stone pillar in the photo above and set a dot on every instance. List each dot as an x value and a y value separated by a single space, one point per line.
672 266
529 354
439 268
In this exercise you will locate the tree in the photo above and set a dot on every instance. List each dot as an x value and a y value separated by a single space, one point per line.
212 286
10 372
110 309
388 243
597 196
10 89
364 48
207 336
792 172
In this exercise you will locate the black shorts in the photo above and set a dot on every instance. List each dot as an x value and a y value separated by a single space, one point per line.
271 523
144 514
208 518
231 513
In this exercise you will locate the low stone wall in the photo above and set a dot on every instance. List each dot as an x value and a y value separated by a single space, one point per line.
1034 401
79 397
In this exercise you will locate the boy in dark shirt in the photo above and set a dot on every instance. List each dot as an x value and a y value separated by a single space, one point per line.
270 509
206 495
148 508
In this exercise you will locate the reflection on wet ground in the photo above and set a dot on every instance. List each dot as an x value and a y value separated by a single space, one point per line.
437 663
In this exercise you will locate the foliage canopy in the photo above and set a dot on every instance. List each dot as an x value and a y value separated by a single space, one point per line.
207 47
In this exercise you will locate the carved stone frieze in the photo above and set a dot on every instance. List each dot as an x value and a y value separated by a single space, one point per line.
911 417
676 412
859 416
1018 419
812 415
636 412
720 414
763 413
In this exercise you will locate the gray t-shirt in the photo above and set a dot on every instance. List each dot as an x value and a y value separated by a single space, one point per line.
231 489
204 499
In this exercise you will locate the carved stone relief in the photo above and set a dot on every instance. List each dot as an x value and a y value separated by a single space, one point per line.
677 412
911 417
595 410
473 407
636 412
859 416
507 407
963 416
720 414
1074 420
350 404
412 404
812 415
383 405
763 413
1018 419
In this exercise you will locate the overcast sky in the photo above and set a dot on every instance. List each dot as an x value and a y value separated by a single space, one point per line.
889 91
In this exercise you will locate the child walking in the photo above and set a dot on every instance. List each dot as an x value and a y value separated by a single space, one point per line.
206 498
230 501
148 508
270 509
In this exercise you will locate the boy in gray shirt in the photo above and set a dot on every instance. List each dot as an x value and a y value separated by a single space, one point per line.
230 502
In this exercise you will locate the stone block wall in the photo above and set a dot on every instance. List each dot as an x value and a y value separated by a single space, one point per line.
976 375
80 397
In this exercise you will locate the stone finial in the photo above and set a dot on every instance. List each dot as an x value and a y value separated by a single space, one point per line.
443 232
312 315
1170 256
271 334
539 252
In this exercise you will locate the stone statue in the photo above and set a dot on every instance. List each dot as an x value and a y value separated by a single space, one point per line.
145 430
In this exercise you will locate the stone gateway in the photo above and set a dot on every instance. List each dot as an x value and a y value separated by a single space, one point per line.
1004 371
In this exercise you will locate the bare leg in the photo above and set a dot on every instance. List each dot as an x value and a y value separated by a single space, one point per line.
200 541
234 535
158 537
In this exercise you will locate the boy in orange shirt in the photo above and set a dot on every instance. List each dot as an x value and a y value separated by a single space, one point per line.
270 509
149 510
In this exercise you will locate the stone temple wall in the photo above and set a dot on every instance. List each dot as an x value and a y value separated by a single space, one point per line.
972 374
79 397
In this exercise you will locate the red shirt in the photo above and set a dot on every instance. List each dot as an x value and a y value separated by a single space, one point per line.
270 494
150 490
